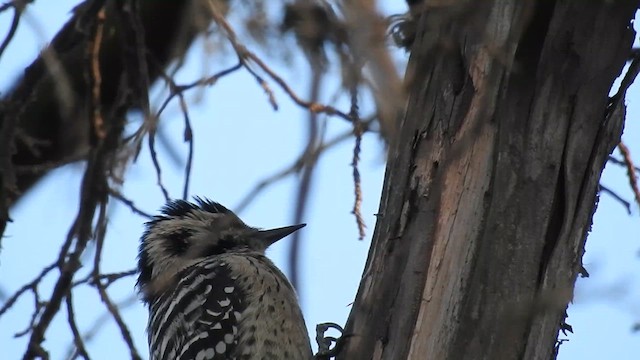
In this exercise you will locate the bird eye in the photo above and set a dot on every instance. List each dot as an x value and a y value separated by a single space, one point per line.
179 241
224 244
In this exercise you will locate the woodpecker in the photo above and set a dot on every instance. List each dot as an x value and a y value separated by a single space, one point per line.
211 291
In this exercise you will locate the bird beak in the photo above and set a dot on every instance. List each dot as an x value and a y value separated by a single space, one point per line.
272 235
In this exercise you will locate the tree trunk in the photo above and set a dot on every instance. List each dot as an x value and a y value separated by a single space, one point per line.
491 186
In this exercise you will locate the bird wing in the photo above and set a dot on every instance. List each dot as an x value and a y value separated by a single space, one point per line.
199 318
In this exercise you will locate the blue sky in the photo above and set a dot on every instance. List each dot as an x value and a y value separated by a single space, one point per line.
239 140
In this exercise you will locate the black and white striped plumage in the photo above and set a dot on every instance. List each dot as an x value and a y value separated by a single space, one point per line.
211 292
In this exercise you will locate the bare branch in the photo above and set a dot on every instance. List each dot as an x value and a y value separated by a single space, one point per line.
617 197
129 203
631 172
18 6
248 57
77 337
295 166
357 188
187 137
69 263
99 322
96 96
94 191
102 288
367 32
37 308
617 161
175 89
314 139
38 168
178 90
29 286
156 164
110 278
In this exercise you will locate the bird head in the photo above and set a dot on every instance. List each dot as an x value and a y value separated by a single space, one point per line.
188 232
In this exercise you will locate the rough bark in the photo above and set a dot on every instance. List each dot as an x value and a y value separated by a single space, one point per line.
492 183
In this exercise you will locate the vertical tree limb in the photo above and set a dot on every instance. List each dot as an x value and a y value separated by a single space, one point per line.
490 190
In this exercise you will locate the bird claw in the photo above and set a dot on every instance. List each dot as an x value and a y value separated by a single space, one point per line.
325 351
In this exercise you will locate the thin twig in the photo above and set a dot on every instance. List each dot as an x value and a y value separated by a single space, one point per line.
102 288
98 119
138 78
294 167
40 168
621 162
617 197
17 11
110 278
129 203
178 90
246 55
156 164
175 89
6 6
357 186
631 172
69 263
26 287
187 137
305 183
80 348
37 308
93 330
93 192
366 38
